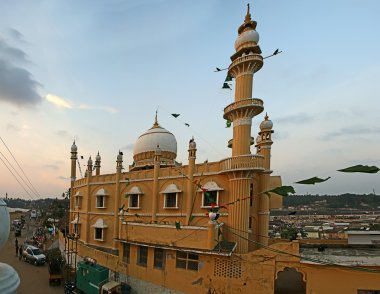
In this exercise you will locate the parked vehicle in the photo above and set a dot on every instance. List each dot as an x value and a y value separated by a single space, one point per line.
55 268
17 231
33 214
33 255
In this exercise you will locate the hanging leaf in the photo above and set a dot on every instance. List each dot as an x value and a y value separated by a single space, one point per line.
282 191
178 225
191 218
207 195
228 78
312 181
226 86
127 182
228 123
175 115
219 232
360 169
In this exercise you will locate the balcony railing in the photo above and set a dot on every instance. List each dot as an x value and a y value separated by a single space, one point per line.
257 58
256 103
243 162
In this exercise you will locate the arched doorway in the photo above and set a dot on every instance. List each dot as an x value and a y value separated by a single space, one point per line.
289 281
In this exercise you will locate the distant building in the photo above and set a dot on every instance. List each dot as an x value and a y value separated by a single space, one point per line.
364 237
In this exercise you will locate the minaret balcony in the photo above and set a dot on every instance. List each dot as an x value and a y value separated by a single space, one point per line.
247 162
250 63
244 108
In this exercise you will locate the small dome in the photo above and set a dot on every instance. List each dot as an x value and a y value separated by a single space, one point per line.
258 139
250 36
192 144
98 158
156 136
74 147
119 157
266 124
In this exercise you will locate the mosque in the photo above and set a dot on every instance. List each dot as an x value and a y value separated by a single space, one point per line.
164 227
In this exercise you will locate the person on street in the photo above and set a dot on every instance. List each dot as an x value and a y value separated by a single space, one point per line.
19 253
16 244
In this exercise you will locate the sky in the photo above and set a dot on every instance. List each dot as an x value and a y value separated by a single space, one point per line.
96 72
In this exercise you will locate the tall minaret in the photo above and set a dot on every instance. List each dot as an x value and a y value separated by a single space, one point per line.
74 152
73 175
242 165
190 185
117 200
97 164
263 144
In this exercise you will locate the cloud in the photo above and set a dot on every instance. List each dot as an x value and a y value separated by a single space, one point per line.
104 108
63 178
17 85
62 133
15 34
128 147
12 53
63 103
51 166
348 132
294 119
12 128
58 101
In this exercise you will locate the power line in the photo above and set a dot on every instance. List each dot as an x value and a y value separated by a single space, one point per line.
10 164
34 189
17 179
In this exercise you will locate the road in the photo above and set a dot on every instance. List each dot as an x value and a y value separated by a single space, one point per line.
33 279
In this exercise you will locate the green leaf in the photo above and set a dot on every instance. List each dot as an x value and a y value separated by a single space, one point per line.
282 191
312 181
175 115
228 78
178 225
219 232
228 123
360 169
127 182
191 218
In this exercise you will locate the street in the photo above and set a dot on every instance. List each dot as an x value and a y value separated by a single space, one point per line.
33 279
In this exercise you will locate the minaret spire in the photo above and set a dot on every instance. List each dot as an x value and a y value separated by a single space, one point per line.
156 125
248 15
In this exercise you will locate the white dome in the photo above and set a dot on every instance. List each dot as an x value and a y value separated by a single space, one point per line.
4 221
266 124
156 136
9 279
245 37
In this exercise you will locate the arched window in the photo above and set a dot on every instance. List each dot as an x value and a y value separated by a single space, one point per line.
289 281
99 227
101 198
171 196
133 196
78 199
210 194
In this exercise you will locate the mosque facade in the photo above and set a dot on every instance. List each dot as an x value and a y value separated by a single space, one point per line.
164 227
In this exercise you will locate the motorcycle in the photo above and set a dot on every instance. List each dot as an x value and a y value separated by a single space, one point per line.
69 287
